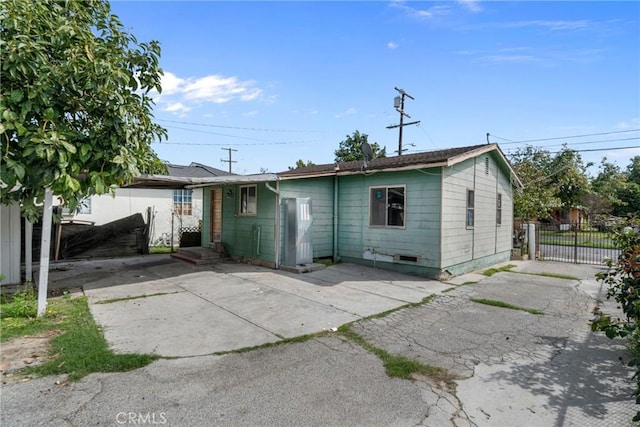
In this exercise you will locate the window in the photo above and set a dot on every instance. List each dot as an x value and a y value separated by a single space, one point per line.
182 202
470 207
248 200
499 209
386 206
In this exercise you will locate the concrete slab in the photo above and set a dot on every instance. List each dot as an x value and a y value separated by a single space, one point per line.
281 313
341 297
98 295
175 325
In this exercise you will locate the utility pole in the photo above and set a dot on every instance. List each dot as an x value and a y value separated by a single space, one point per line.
229 161
398 103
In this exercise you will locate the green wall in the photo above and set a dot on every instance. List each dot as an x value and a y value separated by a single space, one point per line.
419 237
320 190
246 236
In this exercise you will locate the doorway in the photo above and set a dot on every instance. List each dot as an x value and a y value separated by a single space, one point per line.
216 215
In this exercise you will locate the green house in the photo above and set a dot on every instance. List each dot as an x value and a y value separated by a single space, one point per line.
435 214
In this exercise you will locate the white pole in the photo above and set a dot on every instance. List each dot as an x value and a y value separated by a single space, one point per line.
28 250
45 247
532 241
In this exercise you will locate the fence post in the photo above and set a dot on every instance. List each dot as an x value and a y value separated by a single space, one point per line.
532 241
575 244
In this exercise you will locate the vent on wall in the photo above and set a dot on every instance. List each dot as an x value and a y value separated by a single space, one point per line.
486 165
406 258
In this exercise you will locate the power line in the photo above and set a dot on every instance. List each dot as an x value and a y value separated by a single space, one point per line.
214 144
593 142
594 149
236 127
234 136
564 137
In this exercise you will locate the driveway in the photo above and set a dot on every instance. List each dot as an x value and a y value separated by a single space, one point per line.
179 310
514 368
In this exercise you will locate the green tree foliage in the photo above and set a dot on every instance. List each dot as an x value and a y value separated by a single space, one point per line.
623 280
609 183
350 149
301 164
620 187
550 181
631 193
568 175
537 198
76 115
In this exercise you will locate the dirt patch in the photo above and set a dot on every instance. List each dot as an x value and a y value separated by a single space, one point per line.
21 352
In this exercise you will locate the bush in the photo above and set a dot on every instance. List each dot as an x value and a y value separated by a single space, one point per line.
20 304
623 279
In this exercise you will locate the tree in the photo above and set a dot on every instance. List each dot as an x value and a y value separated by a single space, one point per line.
301 164
76 115
568 175
351 148
536 199
609 183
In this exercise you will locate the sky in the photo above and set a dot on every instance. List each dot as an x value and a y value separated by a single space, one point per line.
281 81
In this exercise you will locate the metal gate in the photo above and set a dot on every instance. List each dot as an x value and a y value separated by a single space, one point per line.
577 243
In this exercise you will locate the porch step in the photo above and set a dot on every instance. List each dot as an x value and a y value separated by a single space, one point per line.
198 255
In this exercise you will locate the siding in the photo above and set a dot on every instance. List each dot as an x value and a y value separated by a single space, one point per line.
421 234
243 236
320 190
486 238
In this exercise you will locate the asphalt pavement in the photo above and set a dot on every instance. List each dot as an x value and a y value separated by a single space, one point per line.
514 368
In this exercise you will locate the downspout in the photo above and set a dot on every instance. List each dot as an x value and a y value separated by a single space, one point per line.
335 218
276 232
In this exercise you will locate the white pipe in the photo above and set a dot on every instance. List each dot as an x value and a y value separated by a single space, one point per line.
45 247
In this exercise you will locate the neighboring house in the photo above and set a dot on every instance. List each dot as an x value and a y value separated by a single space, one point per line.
172 206
434 214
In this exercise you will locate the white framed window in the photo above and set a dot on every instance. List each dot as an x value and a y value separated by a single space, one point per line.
499 209
387 206
182 202
248 200
470 208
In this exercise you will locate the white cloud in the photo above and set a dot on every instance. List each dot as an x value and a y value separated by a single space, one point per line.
392 45
421 13
471 5
551 25
251 113
220 89
177 107
170 83
633 123
349 111
180 94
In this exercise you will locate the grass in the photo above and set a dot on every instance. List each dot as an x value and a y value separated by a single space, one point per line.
503 304
79 349
491 271
554 275
160 249
400 366
508 267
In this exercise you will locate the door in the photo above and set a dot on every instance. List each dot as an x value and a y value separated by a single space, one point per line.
216 215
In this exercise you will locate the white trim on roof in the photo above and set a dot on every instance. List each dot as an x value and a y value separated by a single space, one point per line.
233 179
